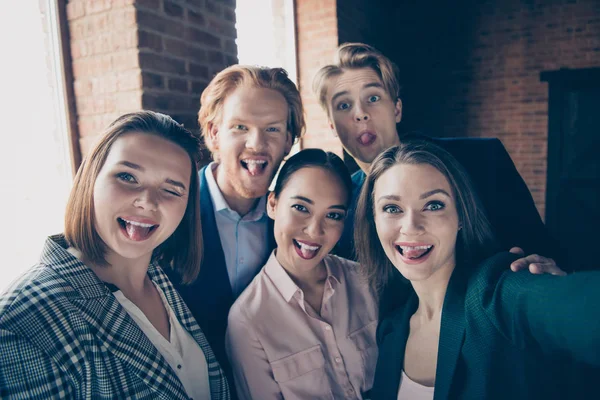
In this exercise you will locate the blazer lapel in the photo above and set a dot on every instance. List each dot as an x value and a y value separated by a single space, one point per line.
452 334
121 337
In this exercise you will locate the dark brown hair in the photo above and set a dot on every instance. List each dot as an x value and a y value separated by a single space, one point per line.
475 240
183 249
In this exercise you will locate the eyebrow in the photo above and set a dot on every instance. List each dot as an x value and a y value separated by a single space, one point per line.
309 201
421 197
140 168
366 86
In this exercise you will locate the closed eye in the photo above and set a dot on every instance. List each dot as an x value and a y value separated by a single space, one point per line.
126 177
172 192
435 206
391 209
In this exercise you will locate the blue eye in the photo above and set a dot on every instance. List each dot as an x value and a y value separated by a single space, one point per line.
299 207
374 98
126 177
391 209
336 216
343 106
435 206
273 129
240 127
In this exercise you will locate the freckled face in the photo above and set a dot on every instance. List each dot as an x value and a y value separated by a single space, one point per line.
140 194
309 218
363 114
251 140
416 220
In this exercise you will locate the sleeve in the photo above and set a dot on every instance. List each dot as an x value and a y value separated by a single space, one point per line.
516 219
550 314
251 369
26 372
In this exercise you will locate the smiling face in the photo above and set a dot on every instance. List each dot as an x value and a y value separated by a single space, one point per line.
309 218
140 195
363 114
416 220
251 140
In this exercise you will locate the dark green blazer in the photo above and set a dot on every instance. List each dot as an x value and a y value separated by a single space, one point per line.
504 335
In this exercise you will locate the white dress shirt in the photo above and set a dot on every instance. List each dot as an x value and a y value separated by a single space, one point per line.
244 240
182 352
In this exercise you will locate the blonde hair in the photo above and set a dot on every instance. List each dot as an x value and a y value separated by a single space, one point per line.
226 81
355 56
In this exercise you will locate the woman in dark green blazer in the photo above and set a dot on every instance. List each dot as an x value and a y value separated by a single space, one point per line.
467 329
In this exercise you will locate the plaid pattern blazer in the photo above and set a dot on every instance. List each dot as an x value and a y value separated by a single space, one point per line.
64 335
504 335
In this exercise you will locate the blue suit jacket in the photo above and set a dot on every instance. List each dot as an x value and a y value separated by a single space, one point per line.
505 196
210 297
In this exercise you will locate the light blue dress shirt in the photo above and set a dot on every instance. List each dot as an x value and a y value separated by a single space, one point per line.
244 239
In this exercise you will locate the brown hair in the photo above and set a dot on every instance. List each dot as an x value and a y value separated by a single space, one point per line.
226 81
475 240
356 56
183 249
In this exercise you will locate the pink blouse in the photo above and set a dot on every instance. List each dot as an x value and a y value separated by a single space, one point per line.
279 347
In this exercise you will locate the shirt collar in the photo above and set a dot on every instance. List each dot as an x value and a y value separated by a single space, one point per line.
286 285
219 202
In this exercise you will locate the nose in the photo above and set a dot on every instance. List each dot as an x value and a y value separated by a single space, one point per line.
256 140
360 114
314 228
412 224
147 200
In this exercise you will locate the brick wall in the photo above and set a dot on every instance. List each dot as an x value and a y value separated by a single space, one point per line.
317 38
475 70
146 54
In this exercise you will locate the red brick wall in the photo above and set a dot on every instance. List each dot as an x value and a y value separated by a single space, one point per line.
150 54
317 38
475 71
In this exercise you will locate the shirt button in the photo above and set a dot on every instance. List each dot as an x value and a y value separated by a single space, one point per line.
327 328
337 359
179 366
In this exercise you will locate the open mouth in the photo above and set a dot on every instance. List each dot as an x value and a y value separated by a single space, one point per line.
136 231
306 250
414 253
367 138
255 167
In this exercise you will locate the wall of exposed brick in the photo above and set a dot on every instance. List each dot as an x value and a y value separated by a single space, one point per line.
151 54
475 70
467 68
317 38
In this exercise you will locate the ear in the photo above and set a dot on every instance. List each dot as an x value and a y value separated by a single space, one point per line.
333 131
398 110
271 205
213 130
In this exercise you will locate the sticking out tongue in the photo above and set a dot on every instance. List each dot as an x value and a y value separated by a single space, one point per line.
305 252
254 169
137 233
366 138
416 253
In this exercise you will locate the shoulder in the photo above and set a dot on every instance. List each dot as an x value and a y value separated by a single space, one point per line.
36 302
250 303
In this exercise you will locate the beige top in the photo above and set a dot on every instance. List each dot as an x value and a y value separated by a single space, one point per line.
279 347
411 390
183 354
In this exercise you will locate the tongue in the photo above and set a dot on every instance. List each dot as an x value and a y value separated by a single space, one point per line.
366 139
414 253
306 253
254 168
137 232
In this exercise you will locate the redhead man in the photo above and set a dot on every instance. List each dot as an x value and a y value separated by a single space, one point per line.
250 117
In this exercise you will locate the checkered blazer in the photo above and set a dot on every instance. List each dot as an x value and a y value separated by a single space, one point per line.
64 335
